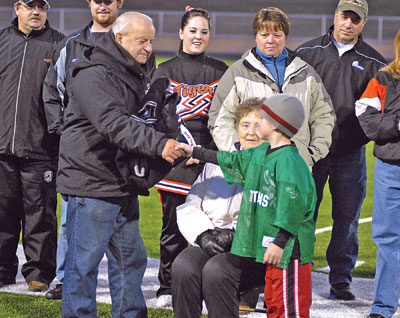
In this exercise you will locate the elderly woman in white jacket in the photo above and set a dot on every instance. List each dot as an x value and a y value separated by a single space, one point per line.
207 220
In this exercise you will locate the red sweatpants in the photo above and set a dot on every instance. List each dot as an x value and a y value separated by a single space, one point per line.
288 292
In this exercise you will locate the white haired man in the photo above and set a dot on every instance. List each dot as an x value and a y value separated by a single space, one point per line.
103 209
55 95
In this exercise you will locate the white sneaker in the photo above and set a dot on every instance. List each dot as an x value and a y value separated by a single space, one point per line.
164 301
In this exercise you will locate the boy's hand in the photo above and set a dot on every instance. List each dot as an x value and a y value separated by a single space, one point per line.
273 255
188 150
192 161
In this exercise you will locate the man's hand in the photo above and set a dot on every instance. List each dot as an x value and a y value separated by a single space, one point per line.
170 152
188 150
273 255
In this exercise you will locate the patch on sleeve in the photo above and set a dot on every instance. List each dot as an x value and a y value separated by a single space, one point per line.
267 240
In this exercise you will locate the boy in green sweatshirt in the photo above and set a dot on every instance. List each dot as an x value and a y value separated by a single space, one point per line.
275 224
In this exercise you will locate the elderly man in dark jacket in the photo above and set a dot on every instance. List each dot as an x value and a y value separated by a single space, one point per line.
27 152
55 97
98 136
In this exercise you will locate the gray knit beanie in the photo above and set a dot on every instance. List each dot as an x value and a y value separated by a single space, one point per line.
284 111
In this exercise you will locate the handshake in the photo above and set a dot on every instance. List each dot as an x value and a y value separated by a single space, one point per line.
174 150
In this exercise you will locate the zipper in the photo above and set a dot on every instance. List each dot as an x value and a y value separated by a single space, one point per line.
277 76
294 73
17 101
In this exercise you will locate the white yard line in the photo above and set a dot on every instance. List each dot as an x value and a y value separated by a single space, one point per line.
329 228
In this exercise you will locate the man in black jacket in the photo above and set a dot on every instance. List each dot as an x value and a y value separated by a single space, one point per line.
27 152
55 96
98 136
346 64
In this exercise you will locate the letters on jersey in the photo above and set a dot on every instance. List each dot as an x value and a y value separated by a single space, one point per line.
195 99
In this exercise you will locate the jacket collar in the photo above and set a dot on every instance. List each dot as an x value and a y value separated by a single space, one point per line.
83 36
291 55
328 38
33 33
253 63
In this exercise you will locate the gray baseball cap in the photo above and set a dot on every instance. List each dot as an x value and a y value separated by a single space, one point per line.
45 1
358 6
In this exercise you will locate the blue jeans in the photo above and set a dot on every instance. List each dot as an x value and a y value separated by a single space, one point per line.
347 184
62 245
93 227
386 235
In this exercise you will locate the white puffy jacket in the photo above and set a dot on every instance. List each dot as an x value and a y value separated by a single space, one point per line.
210 203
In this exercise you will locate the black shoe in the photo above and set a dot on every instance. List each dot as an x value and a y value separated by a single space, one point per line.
376 316
342 291
55 293
6 282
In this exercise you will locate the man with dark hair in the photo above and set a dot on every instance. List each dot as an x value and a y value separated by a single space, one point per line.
346 64
99 137
28 198
55 96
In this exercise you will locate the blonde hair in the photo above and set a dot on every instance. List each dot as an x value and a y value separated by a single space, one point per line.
394 67
120 3
265 17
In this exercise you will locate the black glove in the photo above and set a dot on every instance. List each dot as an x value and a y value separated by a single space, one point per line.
207 241
224 238
168 120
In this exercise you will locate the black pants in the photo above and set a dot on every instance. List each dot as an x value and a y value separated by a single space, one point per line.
172 241
218 280
28 201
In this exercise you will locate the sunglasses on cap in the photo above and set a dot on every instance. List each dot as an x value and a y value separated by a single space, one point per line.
44 7
106 2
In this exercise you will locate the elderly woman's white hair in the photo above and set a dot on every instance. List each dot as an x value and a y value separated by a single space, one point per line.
124 21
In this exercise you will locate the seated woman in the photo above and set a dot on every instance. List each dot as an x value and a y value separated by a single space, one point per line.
207 221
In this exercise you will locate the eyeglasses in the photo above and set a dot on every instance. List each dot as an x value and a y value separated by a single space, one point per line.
40 7
106 2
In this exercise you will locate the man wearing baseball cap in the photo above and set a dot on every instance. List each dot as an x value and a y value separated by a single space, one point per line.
346 64
28 153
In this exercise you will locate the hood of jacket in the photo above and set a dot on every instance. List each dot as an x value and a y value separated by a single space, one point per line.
107 52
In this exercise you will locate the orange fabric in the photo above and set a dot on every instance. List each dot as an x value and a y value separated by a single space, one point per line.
375 89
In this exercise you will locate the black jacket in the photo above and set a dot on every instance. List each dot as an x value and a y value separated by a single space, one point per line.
23 130
107 86
345 78
55 94
378 111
